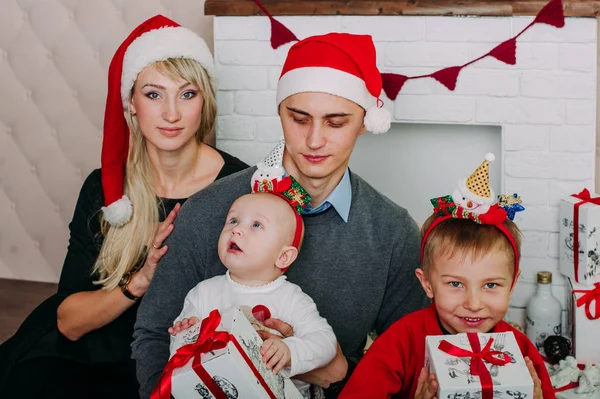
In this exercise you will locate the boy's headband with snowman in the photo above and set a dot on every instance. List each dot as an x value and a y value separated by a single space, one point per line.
270 178
474 200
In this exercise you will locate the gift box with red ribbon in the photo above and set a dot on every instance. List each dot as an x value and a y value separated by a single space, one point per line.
580 237
477 365
583 307
223 362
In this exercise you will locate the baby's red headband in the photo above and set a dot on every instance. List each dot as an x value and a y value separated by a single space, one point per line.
292 192
446 208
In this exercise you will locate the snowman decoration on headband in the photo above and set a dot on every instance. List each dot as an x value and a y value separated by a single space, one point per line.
270 172
474 193
474 199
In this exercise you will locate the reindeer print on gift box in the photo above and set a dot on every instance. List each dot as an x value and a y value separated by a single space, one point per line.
591 259
497 395
227 387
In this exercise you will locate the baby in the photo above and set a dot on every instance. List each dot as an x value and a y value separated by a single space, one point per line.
470 255
260 240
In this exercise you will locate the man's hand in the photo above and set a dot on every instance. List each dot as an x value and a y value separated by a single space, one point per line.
537 383
276 354
427 385
183 325
282 327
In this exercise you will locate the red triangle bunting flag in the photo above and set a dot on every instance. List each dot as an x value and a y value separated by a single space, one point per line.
506 52
280 35
552 14
447 76
392 84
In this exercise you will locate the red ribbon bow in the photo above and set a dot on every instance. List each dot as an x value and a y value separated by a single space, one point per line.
208 340
478 356
585 198
590 296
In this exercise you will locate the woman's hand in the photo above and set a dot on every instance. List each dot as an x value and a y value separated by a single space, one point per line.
537 383
427 385
141 280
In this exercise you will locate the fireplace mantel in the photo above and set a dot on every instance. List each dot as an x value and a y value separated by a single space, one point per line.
573 8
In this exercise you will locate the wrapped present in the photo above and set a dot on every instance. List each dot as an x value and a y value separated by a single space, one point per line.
220 358
477 365
580 237
583 307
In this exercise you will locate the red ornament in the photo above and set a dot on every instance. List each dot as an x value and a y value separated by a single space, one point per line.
261 313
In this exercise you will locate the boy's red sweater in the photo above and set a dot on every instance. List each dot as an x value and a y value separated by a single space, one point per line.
391 366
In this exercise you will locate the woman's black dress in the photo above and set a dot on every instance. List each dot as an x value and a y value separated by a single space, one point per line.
38 361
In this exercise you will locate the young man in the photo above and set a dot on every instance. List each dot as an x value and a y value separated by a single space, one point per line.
360 249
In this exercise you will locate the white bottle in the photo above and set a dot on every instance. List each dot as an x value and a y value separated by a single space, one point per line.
544 312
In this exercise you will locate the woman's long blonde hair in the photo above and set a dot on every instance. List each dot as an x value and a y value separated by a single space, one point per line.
125 246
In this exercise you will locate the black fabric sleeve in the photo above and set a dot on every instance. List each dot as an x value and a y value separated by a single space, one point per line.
403 292
84 241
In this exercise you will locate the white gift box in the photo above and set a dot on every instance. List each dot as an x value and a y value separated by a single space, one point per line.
510 381
228 367
583 331
588 270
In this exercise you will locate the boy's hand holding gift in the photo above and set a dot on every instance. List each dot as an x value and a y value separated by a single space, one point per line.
427 385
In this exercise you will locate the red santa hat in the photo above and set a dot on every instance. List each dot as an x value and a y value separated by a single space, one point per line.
341 64
156 39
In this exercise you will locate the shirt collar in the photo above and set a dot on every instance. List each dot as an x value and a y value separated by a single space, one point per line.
340 198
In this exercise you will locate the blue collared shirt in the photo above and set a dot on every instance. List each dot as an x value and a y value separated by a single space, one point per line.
340 198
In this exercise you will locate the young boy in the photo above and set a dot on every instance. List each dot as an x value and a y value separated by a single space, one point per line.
260 240
469 255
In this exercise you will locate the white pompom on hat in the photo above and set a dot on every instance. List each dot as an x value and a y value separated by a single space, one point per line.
341 64
155 39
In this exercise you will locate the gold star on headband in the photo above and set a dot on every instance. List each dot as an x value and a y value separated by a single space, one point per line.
511 204
505 199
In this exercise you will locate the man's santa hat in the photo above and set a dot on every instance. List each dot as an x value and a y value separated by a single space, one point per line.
477 186
156 39
341 64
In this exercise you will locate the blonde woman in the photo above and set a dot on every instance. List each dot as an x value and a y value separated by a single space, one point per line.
160 105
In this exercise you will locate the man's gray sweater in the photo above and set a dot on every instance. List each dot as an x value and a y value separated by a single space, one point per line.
361 274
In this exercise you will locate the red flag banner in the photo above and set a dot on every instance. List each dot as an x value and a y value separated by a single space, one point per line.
551 14
506 52
280 35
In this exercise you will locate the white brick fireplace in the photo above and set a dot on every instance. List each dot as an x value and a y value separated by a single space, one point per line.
544 108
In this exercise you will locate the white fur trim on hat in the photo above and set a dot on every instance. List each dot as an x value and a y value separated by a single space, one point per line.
119 212
324 80
161 44
378 120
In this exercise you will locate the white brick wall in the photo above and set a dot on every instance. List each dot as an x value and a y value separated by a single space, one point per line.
546 104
